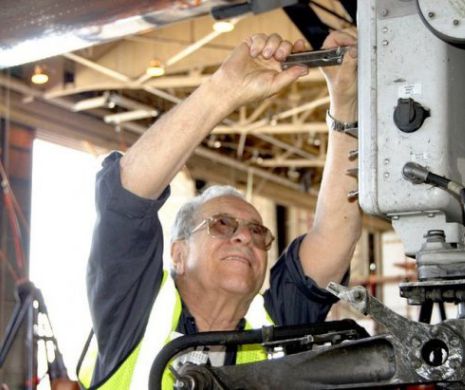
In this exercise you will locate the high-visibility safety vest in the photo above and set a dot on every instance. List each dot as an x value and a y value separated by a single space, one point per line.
133 372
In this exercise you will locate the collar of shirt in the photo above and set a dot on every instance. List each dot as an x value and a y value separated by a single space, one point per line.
187 325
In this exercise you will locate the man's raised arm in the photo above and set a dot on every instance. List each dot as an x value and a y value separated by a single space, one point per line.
328 248
250 73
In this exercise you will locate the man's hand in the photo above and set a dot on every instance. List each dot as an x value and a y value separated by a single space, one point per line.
342 79
252 71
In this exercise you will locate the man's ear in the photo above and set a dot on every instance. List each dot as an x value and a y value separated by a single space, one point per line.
179 256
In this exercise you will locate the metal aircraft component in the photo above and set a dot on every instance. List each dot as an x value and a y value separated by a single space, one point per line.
396 70
418 293
445 19
412 352
316 58
285 339
375 362
440 260
51 27
435 352
349 364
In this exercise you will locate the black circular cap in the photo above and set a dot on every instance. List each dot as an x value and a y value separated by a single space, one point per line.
409 115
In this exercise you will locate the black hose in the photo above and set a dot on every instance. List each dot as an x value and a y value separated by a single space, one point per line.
437 180
241 337
418 174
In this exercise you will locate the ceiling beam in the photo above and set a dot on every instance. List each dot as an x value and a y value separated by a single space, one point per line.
165 82
216 172
34 94
296 163
304 107
314 127
98 67
59 121
120 77
231 162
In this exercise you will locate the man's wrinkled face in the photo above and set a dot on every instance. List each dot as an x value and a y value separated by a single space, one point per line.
235 265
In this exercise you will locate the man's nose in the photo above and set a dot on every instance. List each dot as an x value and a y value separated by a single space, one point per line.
242 234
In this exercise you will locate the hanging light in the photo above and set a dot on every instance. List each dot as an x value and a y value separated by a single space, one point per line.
155 69
223 26
39 76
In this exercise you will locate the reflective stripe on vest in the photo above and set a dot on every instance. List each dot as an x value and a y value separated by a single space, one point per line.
160 329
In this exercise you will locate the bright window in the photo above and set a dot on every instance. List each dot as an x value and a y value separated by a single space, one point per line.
62 219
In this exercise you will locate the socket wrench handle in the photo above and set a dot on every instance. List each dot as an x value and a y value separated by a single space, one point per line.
316 58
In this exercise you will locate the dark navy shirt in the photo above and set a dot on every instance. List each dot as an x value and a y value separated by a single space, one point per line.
126 266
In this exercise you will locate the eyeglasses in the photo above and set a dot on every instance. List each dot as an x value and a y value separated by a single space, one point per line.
225 226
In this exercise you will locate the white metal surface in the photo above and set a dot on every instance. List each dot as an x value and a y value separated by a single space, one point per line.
400 57
446 18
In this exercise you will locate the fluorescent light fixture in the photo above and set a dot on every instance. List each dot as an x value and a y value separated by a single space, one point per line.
127 103
223 26
91 103
130 116
110 100
39 76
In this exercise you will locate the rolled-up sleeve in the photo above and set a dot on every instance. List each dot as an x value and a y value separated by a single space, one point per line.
125 265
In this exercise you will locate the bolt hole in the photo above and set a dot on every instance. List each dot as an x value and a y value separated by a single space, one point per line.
435 352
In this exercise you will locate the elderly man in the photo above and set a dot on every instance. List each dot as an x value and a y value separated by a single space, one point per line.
219 245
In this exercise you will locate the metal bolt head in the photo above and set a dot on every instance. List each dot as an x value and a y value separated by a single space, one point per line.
455 363
431 14
416 342
384 12
385 42
456 22
454 341
358 295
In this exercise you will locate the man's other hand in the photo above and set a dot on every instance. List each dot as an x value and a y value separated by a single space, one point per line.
342 79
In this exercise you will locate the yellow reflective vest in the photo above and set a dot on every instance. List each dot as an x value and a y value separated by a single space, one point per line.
133 372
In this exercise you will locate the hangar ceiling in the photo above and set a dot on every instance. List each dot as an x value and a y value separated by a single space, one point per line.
101 97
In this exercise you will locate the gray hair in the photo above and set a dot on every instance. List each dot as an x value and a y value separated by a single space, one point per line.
184 221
